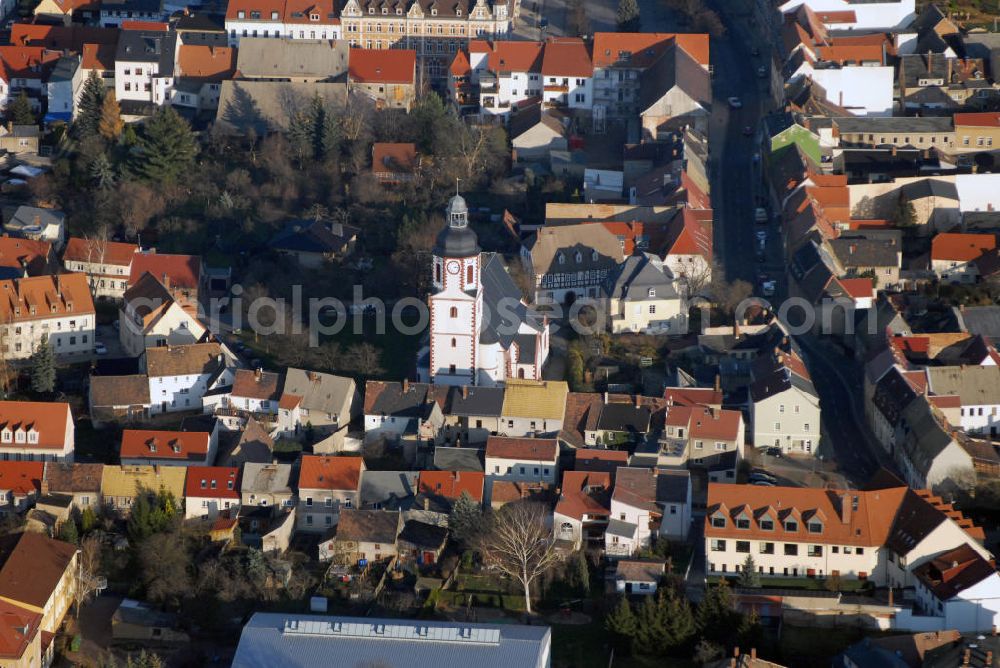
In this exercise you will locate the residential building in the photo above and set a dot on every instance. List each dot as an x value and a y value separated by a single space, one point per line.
620 59
81 482
19 139
151 317
536 132
388 490
26 68
327 485
600 461
309 640
640 577
687 248
145 64
930 82
785 408
436 33
20 484
119 398
643 297
420 542
884 14
567 73
978 391
21 258
290 19
20 637
36 431
509 73
674 92
481 332
59 308
869 132
977 131
395 409
884 533
584 507
647 504
954 255
388 78
266 486
201 69
323 401
167 448
570 262
107 264
522 460
473 415
533 408
122 13
254 393
962 587
873 255
313 243
39 574
179 376
293 60
181 275
363 537
446 487
700 436
211 490
122 485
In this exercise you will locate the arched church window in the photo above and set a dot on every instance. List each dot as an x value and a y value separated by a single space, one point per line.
469 272
454 343
437 273
454 312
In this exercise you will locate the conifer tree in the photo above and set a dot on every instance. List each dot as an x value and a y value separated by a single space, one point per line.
628 16
622 621
19 112
43 367
111 123
749 577
166 146
88 115
465 520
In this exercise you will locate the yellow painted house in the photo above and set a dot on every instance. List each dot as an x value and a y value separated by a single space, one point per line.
121 485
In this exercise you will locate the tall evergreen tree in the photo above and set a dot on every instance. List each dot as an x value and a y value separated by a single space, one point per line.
680 619
628 16
19 112
622 621
68 531
166 146
749 577
43 367
717 617
88 115
111 123
466 520
103 172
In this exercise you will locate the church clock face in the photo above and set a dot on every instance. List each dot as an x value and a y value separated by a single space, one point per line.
454 267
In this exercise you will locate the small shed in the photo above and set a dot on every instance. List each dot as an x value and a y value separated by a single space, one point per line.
638 576
135 621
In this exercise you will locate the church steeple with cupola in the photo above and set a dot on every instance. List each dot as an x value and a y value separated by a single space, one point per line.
456 253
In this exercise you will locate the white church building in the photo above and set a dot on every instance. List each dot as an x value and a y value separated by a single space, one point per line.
481 330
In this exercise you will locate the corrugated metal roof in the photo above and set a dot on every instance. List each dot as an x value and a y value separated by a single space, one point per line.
312 640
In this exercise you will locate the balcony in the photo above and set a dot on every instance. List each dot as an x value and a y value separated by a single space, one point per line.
557 88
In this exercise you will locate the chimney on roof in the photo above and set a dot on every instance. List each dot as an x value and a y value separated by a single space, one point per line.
605 396
852 248
427 503
257 373
45 485
638 400
166 281
845 509
718 383
753 653
890 595
406 385
736 328
465 391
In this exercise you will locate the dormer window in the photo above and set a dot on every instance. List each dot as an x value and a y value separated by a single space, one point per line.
434 12
815 527
652 292
593 256
458 12
767 524
6 436
718 521
274 16
385 10
578 257
399 11
204 484
32 436
371 10
241 14
742 522
561 258
19 436
314 17
791 525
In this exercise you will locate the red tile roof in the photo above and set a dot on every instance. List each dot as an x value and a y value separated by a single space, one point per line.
18 627
206 63
103 252
27 62
396 66
985 119
960 247
215 482
451 484
98 57
858 288
34 568
844 16
61 37
311 12
567 57
593 460
184 271
687 235
693 396
256 384
21 478
950 573
585 493
155 26
333 473
19 254
265 7
460 66
644 49
163 444
394 157
529 449
48 418
515 57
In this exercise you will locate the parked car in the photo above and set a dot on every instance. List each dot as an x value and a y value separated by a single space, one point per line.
735 103
760 215
100 348
773 451
761 474
763 483
762 71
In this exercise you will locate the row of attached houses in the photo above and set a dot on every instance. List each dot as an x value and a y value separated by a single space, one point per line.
886 533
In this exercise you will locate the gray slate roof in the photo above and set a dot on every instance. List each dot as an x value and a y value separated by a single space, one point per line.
477 401
322 392
394 490
269 58
983 320
458 459
632 279
313 641
266 478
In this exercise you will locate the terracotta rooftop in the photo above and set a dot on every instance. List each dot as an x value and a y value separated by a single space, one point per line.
42 297
33 567
99 252
222 482
396 66
332 473
451 484
21 478
959 247
48 419
18 627
527 449
167 445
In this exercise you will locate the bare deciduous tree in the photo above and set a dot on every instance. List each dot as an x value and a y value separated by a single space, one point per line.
521 545
88 580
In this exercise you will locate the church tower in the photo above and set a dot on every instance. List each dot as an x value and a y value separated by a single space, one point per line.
456 303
